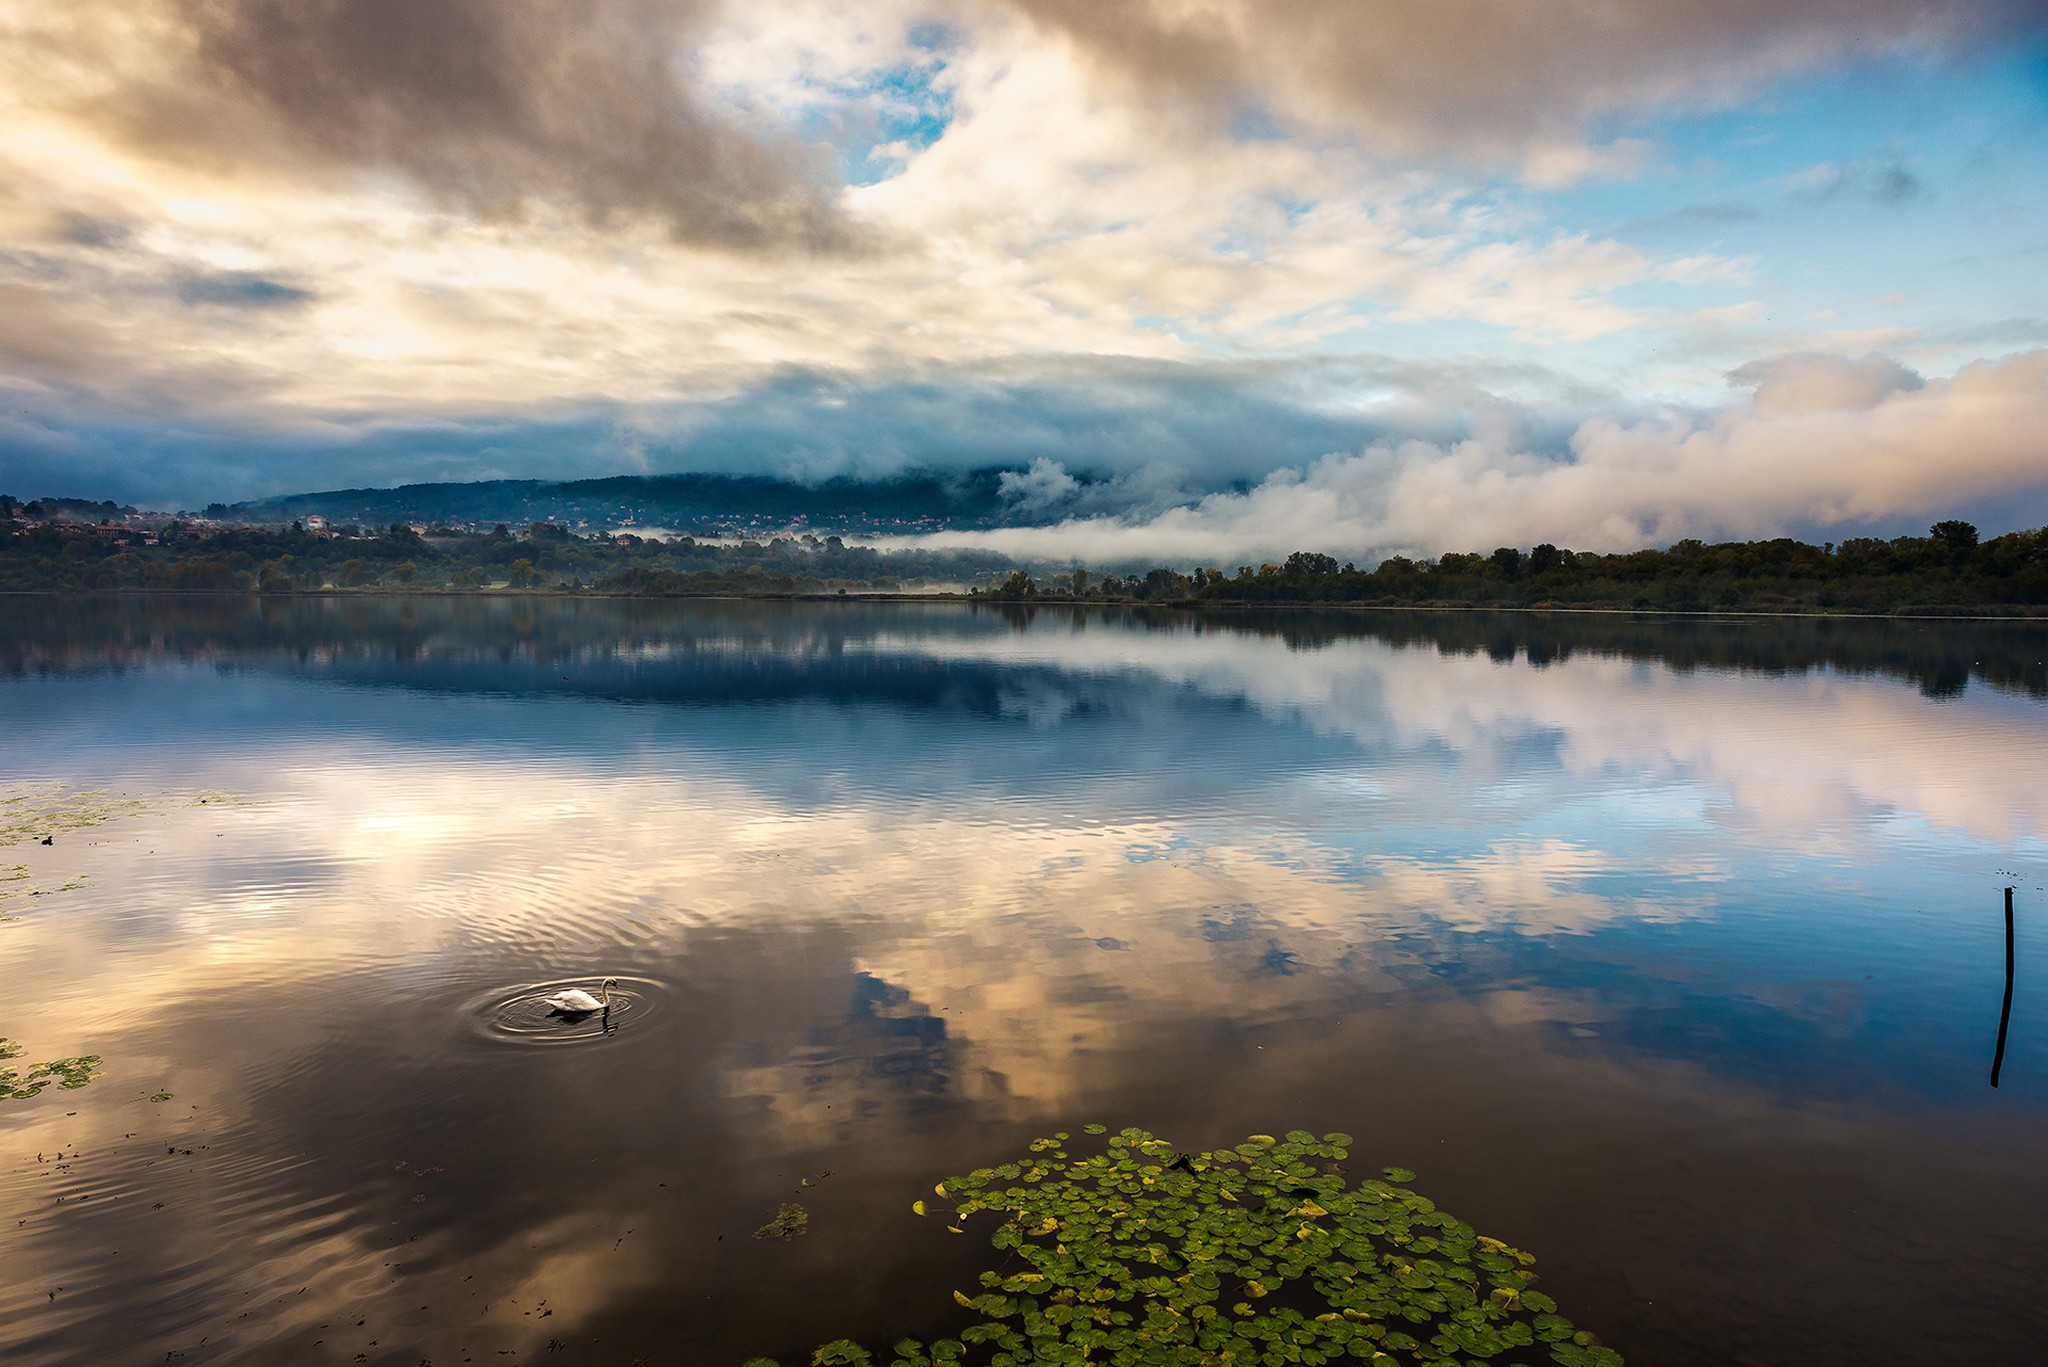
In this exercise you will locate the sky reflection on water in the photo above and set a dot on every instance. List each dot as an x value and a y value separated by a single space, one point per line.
1683 975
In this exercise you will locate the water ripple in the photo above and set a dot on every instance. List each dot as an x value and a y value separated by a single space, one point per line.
521 1015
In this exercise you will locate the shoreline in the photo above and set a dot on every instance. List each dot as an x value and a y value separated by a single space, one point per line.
1989 613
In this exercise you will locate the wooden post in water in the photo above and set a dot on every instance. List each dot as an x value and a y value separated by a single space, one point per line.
2005 1011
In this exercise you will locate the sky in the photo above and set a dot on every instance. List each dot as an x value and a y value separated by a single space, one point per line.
1216 278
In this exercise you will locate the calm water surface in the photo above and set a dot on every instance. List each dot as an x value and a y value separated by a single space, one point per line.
1672 952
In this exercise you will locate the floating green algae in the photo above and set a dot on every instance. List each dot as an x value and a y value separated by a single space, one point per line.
1141 1255
17 885
69 1073
41 812
45 810
791 1219
48 809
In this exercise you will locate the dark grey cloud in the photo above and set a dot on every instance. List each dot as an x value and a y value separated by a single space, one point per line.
241 290
492 107
1499 76
1151 432
1148 434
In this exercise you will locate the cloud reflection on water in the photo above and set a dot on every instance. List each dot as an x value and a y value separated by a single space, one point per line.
916 888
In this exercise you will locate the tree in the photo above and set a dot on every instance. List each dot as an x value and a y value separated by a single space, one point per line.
1311 562
1957 537
521 575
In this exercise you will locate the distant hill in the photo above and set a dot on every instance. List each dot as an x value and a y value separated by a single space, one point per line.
699 503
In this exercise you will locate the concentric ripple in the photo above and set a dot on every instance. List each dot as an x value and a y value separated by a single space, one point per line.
521 1015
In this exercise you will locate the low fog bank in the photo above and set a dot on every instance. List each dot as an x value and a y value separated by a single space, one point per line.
1823 442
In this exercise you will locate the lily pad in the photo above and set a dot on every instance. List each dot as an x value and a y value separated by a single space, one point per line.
68 1073
1261 1253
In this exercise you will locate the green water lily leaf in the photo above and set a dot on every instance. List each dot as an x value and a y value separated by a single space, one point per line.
68 1073
1139 1253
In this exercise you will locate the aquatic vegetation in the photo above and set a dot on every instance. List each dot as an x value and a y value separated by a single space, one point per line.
69 1073
43 810
791 1219
39 813
1262 1253
47 809
12 875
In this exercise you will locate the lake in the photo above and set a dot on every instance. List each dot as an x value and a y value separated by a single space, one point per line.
1670 951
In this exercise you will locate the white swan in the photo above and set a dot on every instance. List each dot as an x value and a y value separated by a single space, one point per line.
577 1002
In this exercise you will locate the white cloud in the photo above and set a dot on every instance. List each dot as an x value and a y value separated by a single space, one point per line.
1826 441
1808 382
1054 215
1498 80
1051 205
1043 486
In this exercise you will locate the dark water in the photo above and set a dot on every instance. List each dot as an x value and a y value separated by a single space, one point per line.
1672 952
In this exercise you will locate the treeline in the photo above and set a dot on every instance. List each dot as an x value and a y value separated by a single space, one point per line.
372 634
187 557
1949 568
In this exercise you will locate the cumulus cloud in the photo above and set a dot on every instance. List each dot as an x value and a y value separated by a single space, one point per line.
1810 382
1499 78
1825 442
488 106
1040 488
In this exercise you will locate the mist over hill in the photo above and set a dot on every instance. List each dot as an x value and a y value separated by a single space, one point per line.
698 504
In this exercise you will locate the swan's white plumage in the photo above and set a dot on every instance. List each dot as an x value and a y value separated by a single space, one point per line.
576 1001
